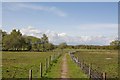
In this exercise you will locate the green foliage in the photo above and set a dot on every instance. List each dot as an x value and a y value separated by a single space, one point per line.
55 71
62 45
13 41
44 39
16 41
115 44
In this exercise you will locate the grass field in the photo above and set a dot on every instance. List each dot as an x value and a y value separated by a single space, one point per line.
101 60
55 71
73 70
18 64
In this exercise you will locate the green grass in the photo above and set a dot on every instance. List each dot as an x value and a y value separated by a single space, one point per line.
74 71
101 60
55 71
18 64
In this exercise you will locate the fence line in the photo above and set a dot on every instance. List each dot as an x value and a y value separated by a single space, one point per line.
48 64
93 74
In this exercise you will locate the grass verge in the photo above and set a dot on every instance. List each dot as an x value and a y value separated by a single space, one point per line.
55 71
73 70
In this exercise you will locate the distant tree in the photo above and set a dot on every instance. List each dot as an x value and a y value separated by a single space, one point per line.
27 45
3 33
115 44
32 43
12 41
45 42
62 45
16 41
44 39
49 46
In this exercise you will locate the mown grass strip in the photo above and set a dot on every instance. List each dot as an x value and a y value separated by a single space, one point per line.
55 71
73 70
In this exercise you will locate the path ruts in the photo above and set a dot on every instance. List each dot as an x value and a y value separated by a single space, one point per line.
64 69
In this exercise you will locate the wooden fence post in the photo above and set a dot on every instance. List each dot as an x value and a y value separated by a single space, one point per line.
30 74
41 70
77 59
81 65
104 76
90 70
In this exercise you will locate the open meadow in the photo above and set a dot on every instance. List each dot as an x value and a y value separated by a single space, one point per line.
100 60
18 64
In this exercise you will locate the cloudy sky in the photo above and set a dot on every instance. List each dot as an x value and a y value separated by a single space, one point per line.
74 23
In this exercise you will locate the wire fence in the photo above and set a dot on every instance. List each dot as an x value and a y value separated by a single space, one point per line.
93 74
47 66
43 68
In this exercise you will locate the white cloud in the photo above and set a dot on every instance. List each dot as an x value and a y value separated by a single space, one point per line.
57 38
62 34
51 9
31 31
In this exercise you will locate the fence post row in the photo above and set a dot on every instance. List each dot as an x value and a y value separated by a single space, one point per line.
89 68
48 61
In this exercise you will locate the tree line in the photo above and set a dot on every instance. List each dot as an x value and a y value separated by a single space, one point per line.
15 41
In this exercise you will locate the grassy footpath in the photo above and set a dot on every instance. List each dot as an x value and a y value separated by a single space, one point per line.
73 70
55 71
